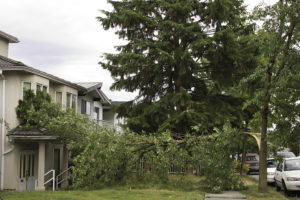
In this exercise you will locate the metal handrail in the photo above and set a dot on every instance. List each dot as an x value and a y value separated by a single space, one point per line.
63 172
51 179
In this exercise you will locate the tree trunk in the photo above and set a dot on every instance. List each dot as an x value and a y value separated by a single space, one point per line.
262 184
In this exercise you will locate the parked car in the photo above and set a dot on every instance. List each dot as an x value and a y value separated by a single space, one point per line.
286 154
287 175
271 168
252 160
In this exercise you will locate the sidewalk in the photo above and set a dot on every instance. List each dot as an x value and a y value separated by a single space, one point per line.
225 195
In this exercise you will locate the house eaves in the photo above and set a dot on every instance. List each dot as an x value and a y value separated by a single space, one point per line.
10 38
7 64
95 86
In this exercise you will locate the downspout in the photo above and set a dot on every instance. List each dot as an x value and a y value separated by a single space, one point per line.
3 128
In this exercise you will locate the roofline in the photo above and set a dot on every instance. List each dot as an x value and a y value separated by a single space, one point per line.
102 95
95 87
43 74
10 38
31 137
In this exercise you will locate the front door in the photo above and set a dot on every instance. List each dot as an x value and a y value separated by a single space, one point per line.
28 170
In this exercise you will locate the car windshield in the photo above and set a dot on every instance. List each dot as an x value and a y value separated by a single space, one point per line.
290 165
251 158
286 154
271 163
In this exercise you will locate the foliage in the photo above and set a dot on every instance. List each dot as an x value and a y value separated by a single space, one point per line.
105 160
109 158
37 112
31 104
272 91
237 167
180 55
213 157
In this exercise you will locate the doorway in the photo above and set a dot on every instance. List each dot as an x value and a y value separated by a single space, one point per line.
28 170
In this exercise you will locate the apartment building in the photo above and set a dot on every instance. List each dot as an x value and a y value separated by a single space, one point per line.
26 156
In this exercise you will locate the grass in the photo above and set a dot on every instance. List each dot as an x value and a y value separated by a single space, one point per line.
104 194
252 193
179 188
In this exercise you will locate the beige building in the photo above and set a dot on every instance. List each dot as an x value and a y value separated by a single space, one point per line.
30 158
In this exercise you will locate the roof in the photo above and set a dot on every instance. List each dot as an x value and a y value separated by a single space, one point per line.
117 103
8 64
34 134
95 87
10 38
90 84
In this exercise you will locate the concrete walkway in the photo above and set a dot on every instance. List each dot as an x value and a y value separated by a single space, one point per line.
225 195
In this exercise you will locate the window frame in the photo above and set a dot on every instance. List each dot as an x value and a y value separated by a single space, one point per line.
72 96
61 97
23 87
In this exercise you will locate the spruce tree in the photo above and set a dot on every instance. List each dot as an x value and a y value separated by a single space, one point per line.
181 56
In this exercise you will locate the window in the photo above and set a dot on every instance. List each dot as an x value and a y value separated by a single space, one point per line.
85 107
88 108
58 97
96 113
40 87
26 86
71 101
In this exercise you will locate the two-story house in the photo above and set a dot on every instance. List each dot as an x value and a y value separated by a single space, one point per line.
26 156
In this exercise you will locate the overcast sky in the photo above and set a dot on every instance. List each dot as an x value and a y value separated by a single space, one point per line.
63 37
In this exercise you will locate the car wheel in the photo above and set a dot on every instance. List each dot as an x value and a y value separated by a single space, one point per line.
278 188
285 189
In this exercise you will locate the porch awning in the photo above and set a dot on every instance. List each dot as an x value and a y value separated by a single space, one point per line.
36 134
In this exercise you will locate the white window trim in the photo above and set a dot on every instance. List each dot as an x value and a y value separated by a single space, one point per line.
22 95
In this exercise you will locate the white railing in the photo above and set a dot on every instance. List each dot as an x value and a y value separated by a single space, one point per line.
51 179
63 179
106 123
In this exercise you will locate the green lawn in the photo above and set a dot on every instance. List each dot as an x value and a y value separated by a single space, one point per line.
252 193
104 194
180 187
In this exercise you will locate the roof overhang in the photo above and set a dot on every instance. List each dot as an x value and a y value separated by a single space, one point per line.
44 75
9 38
31 137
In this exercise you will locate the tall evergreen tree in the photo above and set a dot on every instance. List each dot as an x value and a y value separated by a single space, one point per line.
181 56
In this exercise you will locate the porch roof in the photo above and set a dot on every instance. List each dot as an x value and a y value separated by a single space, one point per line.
34 134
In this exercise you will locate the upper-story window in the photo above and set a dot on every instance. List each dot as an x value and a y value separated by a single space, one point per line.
58 97
96 113
85 107
71 101
40 87
26 86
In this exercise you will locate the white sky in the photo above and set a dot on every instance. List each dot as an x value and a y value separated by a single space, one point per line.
63 37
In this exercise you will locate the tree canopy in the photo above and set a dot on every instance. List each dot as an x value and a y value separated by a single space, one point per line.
181 56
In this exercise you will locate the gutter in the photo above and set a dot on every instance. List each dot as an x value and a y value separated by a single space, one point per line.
3 128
